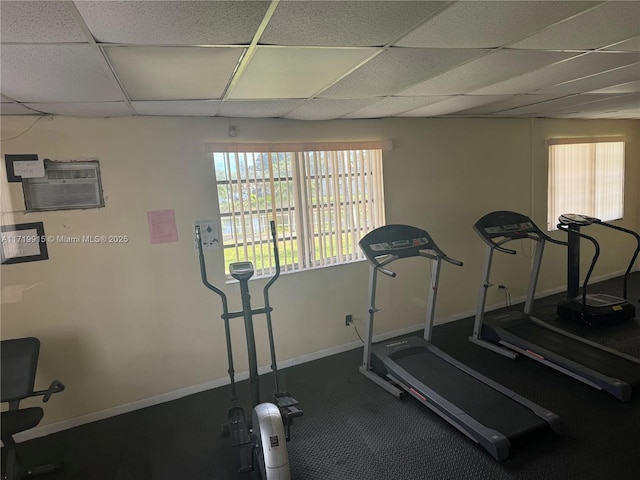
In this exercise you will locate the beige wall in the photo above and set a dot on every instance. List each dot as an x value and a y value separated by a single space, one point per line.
123 323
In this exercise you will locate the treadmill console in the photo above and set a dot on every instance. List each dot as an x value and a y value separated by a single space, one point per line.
506 224
577 219
398 240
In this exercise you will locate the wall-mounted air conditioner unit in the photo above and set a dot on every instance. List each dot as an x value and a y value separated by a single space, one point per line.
65 186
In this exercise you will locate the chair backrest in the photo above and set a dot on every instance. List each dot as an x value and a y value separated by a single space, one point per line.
19 364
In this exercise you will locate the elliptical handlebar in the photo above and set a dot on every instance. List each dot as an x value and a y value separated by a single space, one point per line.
223 297
276 257
203 274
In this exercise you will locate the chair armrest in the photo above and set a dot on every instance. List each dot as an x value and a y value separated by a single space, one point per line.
55 387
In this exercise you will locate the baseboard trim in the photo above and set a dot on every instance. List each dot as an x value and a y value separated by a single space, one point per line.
183 392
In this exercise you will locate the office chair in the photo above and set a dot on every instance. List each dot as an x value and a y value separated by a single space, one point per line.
19 364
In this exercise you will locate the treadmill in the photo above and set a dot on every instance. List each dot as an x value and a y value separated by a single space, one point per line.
514 332
483 410
594 309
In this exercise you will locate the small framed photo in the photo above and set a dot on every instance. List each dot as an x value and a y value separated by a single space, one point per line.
25 242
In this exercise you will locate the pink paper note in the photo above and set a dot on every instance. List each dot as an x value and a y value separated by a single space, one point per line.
162 226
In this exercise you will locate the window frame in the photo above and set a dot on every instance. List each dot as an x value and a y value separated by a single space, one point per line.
592 171
306 163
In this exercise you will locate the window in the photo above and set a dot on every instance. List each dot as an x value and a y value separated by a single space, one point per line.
586 176
323 198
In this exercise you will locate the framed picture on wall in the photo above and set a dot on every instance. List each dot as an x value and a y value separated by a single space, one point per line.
21 243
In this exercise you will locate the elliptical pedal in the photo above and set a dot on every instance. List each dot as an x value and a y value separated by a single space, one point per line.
288 409
238 428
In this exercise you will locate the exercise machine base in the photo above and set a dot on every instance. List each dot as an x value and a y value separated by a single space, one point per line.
611 313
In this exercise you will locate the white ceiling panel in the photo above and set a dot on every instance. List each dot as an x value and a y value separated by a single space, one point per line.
630 87
173 22
38 22
508 104
181 108
632 45
550 107
289 72
398 68
609 23
489 24
453 105
101 109
56 73
321 59
258 108
597 81
484 71
579 66
352 23
325 109
391 106
622 106
173 73
15 109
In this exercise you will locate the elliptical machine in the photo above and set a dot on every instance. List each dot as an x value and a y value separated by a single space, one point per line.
264 439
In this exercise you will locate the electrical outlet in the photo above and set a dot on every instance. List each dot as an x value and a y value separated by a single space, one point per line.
348 320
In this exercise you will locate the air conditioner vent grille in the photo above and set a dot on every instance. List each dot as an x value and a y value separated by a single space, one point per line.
70 174
65 186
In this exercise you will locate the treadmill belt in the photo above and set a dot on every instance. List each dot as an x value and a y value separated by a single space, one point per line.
485 404
593 358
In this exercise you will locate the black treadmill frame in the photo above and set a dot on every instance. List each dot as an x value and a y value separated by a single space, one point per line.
492 333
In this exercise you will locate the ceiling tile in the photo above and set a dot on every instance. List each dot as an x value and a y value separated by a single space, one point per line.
32 22
542 109
623 106
485 70
324 109
629 87
258 108
453 105
173 73
597 81
632 45
396 69
391 106
15 109
173 22
507 104
56 73
609 23
352 23
489 24
93 109
289 72
181 108
579 66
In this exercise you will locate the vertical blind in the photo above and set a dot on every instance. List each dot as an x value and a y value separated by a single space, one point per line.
586 176
323 197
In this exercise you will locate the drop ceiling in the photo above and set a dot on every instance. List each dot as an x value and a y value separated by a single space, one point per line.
320 60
